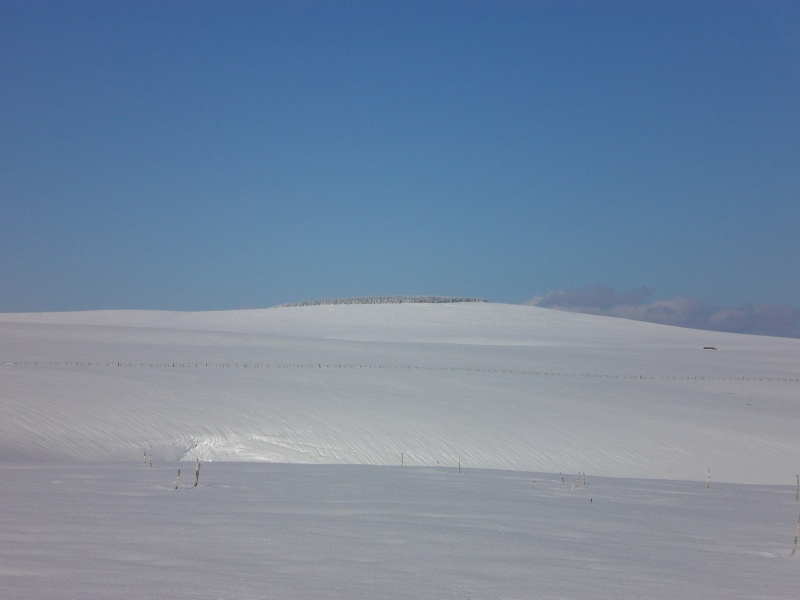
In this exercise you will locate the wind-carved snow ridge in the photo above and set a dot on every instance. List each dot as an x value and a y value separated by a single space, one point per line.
384 300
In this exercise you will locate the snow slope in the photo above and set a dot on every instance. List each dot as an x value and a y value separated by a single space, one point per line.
494 386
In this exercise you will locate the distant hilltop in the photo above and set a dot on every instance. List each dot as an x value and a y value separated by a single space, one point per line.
385 300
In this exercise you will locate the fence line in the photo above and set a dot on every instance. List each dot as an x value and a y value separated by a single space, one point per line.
319 365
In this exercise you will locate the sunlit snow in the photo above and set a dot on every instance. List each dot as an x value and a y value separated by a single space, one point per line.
495 412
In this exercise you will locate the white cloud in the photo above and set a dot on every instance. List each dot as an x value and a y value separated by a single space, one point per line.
682 311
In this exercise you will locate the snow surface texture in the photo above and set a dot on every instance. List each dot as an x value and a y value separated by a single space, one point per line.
496 386
643 409
337 532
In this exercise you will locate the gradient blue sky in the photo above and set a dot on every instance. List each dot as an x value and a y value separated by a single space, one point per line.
215 155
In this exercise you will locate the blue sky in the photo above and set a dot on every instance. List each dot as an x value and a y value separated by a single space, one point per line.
216 155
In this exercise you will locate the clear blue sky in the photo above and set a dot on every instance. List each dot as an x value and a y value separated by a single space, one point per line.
214 155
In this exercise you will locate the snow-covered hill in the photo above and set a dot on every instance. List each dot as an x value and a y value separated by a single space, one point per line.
535 392
494 386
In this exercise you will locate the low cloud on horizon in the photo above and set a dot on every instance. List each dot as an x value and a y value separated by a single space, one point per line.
681 311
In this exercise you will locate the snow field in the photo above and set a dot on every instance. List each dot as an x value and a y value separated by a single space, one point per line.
516 395
121 530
